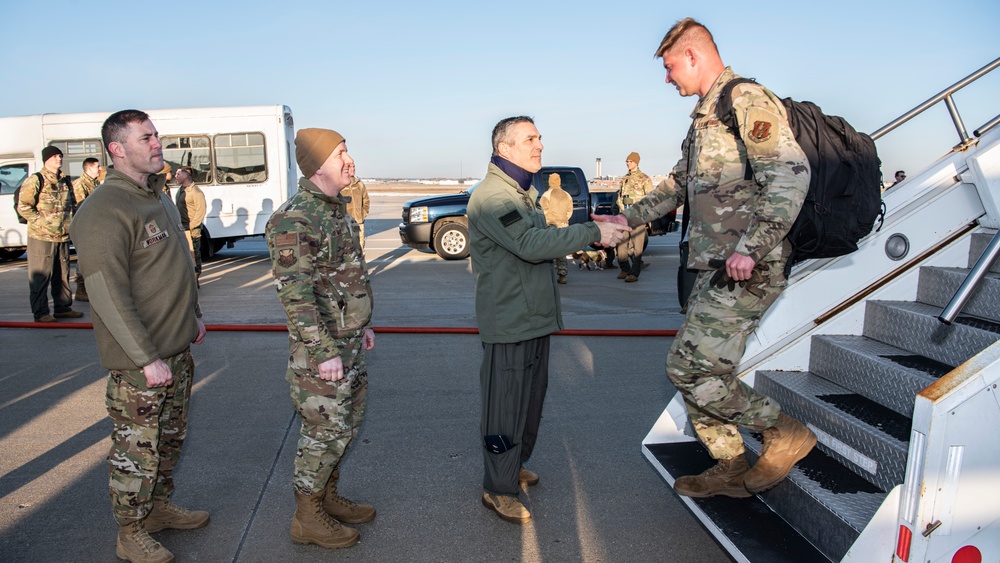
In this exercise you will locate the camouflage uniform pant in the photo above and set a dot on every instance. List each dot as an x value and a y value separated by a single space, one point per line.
560 265
149 429
705 353
331 413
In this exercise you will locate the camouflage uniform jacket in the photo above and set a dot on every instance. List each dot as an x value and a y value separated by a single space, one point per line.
557 205
140 277
635 185
512 252
320 272
730 214
358 204
48 220
83 187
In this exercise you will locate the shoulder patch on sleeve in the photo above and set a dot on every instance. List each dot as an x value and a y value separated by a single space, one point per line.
285 239
761 130
510 218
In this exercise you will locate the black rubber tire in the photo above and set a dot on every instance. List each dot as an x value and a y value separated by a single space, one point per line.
451 241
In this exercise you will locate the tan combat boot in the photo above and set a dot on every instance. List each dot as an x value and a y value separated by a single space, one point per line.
168 515
342 509
527 477
507 507
311 524
785 443
725 478
135 545
81 291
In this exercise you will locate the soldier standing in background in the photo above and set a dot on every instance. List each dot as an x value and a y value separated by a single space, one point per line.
322 281
558 208
738 229
358 205
46 201
635 185
145 308
83 187
192 208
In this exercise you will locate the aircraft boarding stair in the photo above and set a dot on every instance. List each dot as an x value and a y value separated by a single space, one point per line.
905 404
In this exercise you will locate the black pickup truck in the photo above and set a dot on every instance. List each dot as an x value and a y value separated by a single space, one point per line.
440 223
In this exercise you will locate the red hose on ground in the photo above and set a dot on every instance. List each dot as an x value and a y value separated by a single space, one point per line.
379 329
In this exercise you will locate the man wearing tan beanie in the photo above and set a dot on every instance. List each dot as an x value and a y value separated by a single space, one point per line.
558 208
322 280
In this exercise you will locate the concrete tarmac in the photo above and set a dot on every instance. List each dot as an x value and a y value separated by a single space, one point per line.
418 457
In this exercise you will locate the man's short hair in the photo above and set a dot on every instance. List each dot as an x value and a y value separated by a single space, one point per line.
502 131
686 33
187 170
116 125
90 160
898 172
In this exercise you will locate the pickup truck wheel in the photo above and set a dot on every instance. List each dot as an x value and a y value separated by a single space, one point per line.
451 242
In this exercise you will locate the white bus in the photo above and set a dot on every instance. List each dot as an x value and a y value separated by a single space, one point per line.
243 159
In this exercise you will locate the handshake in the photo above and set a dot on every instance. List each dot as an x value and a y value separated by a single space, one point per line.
614 229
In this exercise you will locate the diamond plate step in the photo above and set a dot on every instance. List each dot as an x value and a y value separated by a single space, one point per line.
867 438
938 285
977 245
756 532
914 327
885 374
828 504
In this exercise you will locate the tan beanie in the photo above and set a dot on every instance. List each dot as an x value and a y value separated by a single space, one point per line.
554 180
313 147
633 156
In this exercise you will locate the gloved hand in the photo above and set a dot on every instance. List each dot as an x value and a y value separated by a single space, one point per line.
721 279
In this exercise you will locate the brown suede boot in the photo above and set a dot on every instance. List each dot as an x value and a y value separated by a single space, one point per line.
81 291
785 443
167 515
135 545
527 477
342 509
311 524
725 478
507 507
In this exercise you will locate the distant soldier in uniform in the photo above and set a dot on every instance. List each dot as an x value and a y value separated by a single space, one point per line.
83 187
558 208
167 172
635 185
46 201
191 205
322 280
517 307
737 241
358 205
145 308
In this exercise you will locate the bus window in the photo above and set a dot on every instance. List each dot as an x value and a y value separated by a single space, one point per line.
239 158
190 150
76 151
11 176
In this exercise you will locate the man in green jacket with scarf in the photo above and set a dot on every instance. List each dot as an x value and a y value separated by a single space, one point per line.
517 306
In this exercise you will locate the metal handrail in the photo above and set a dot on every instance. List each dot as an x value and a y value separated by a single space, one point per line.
952 109
972 281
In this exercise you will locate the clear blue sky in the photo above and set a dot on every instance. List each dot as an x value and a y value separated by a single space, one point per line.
416 87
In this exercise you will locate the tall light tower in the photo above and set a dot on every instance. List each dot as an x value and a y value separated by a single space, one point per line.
598 176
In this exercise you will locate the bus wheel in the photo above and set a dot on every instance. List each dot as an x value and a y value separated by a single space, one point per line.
12 252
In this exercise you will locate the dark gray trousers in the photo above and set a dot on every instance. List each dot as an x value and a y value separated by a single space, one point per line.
513 380
48 267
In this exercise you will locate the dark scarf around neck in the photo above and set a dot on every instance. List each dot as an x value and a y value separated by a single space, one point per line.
516 173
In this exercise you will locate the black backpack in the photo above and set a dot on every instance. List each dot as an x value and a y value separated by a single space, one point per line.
41 184
845 195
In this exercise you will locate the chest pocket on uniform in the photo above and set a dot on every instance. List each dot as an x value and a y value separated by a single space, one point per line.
717 158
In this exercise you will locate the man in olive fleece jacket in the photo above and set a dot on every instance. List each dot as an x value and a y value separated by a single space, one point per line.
140 277
517 306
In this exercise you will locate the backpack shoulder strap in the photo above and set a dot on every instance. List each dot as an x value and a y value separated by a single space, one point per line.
724 112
